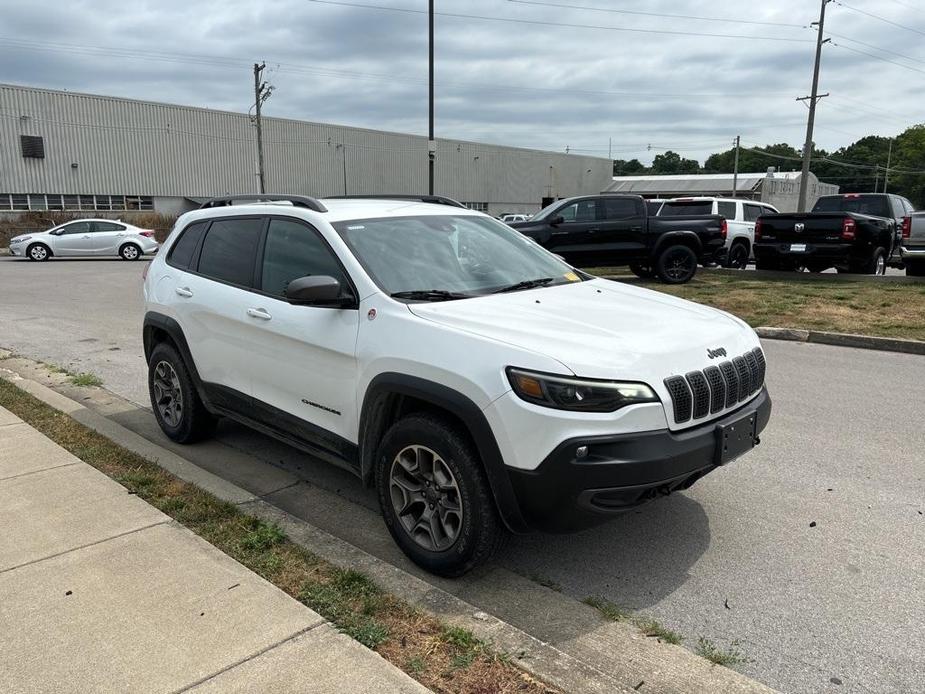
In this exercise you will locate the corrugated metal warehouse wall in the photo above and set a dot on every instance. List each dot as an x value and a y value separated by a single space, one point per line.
126 147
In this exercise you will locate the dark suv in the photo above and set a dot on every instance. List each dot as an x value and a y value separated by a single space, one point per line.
599 230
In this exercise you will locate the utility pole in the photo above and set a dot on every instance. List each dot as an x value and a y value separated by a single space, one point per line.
877 179
610 148
431 142
262 92
735 168
889 159
813 99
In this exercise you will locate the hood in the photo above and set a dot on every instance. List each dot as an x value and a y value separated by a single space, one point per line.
601 329
29 234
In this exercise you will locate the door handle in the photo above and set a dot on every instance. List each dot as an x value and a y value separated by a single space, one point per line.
183 291
86 236
635 228
260 313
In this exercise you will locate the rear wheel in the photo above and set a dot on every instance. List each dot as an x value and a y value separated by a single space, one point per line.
738 255
130 251
642 270
676 265
177 407
434 496
874 265
38 252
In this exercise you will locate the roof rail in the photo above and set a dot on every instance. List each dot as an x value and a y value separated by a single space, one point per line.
434 199
296 200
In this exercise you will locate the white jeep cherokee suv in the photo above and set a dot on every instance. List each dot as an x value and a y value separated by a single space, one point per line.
475 379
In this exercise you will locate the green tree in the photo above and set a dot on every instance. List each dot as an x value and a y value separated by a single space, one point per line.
672 163
632 167
754 160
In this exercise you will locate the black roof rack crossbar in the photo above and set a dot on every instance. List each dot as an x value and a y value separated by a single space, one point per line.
434 199
296 200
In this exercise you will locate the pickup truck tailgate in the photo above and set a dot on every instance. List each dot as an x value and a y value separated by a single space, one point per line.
815 227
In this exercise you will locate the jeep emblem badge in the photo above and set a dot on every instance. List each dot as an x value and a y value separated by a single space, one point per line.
799 227
718 352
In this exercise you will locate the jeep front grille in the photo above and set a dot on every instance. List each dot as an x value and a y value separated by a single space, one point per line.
719 387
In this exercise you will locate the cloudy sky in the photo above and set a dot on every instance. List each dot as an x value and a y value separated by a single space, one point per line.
548 74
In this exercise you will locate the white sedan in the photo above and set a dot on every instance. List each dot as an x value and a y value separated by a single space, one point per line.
86 237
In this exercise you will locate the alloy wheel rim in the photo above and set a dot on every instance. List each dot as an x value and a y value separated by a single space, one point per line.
38 253
168 398
425 497
130 252
881 265
678 265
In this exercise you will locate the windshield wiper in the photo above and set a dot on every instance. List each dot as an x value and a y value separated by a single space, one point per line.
526 284
430 295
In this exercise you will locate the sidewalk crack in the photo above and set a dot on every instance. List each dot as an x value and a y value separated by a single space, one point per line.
44 469
240 662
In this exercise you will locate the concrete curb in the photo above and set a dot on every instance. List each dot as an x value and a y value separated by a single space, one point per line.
885 344
664 668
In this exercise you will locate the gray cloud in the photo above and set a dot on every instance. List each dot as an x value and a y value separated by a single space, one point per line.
527 85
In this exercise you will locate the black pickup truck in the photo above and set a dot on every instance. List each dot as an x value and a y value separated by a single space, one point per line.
854 232
599 230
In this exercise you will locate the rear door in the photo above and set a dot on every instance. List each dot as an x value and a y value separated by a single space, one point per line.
75 240
106 237
750 213
622 234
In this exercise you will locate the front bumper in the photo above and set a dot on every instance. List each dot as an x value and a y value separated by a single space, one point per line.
17 249
622 471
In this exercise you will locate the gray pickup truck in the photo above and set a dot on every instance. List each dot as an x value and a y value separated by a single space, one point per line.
912 247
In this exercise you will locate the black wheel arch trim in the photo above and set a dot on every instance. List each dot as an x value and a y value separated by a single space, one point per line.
373 421
154 321
668 239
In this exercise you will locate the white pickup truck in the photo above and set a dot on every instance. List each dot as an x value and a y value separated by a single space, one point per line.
740 217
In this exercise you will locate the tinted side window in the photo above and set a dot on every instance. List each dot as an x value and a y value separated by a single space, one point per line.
898 209
229 252
752 212
726 209
620 208
77 228
182 251
581 211
107 226
294 250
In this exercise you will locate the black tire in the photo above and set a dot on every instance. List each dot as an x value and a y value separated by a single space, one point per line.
180 413
643 271
876 264
737 258
676 265
38 252
915 269
475 532
130 251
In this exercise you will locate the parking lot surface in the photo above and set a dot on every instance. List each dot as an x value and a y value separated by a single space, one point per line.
808 553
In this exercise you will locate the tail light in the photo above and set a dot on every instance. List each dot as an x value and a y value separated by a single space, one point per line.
848 229
757 230
907 227
724 229
147 233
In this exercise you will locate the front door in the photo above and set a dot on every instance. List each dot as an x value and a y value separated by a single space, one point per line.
76 239
303 359
575 237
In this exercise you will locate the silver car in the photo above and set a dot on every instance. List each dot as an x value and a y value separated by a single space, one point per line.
86 237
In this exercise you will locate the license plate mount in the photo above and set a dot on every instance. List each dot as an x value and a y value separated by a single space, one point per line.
798 248
736 438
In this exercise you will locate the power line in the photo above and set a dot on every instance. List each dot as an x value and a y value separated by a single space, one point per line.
656 14
878 17
558 25
876 57
876 48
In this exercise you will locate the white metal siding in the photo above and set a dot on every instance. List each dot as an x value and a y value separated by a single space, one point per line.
125 147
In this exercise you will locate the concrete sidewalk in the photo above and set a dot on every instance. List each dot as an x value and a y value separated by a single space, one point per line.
101 592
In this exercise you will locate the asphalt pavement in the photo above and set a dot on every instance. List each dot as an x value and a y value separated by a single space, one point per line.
807 555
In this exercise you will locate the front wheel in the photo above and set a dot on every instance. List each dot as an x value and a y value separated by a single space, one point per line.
434 496
676 265
38 252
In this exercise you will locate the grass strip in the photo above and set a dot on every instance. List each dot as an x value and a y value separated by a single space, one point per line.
647 625
443 658
862 307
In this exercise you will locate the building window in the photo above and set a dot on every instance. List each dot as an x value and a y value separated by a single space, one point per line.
136 202
74 203
33 146
37 202
6 201
86 202
20 202
477 206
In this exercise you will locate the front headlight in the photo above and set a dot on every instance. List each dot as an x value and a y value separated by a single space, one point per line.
577 394
24 238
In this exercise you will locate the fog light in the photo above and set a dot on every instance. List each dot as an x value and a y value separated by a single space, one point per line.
581 452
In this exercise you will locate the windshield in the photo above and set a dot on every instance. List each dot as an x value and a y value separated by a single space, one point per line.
694 207
875 205
450 256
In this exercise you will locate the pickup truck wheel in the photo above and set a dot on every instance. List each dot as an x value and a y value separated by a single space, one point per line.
434 496
876 264
915 269
676 265
642 271
738 256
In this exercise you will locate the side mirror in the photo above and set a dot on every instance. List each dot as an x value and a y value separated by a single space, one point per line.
315 290
557 220
57 232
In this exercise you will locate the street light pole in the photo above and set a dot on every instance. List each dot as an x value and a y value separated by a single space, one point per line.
431 143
